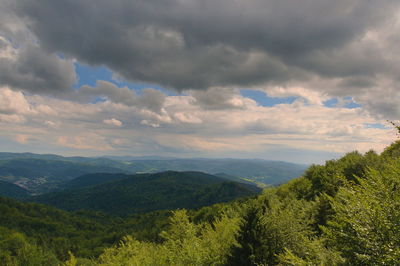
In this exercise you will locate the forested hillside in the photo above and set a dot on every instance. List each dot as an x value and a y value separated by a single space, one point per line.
124 194
13 191
345 212
34 234
92 180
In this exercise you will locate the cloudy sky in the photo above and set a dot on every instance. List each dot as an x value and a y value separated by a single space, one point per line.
301 81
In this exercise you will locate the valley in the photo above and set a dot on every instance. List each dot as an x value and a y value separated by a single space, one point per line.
45 173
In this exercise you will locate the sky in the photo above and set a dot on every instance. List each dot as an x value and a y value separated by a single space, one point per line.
302 81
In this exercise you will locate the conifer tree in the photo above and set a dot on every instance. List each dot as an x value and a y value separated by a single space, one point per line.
249 241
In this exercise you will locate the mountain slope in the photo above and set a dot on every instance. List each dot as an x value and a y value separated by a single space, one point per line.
93 179
40 175
149 192
267 172
85 233
12 191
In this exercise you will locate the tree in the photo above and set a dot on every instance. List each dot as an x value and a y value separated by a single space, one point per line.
185 243
366 226
249 238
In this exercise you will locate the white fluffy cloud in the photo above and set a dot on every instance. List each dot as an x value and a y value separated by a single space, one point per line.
112 122
12 102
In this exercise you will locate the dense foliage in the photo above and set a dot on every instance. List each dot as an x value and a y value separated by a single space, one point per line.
149 192
93 179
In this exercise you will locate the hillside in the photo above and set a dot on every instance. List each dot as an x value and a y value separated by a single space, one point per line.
263 171
149 192
92 180
12 191
43 175
84 233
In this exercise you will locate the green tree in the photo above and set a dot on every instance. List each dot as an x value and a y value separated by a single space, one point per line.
249 238
366 224
15 250
185 243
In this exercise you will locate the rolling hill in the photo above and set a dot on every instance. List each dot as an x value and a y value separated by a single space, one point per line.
42 173
263 171
149 192
92 180
12 191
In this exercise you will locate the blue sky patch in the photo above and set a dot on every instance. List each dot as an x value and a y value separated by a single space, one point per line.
88 75
264 100
348 103
331 103
374 125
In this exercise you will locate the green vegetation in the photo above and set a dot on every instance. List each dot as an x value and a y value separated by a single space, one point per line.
345 212
92 180
12 191
148 192
84 233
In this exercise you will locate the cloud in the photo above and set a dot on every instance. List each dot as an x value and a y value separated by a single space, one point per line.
21 139
149 123
207 51
86 142
12 119
218 98
200 44
51 124
349 47
16 108
113 122
183 127
187 118
31 69
313 97
13 102
150 99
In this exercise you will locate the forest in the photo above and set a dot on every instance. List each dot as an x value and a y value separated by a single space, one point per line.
345 212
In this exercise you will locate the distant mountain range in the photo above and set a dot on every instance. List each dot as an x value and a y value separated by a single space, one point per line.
127 194
42 173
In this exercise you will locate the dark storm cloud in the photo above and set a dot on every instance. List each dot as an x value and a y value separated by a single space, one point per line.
37 71
357 82
196 44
